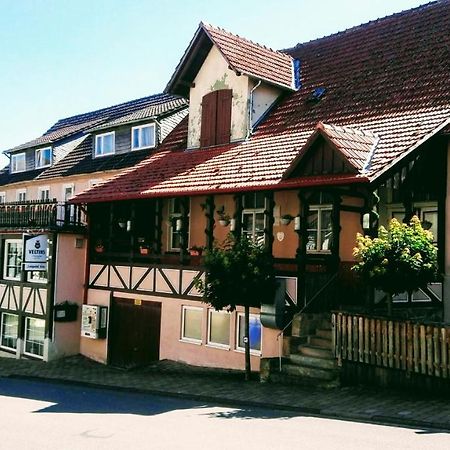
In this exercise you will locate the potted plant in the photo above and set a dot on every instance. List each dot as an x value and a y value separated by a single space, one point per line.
99 247
286 219
224 218
196 250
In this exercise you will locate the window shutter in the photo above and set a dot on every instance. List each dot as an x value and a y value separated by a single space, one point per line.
209 114
223 128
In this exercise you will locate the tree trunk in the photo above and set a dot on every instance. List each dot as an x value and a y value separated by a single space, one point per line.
248 369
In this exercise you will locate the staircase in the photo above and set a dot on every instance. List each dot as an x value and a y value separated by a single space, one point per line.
310 359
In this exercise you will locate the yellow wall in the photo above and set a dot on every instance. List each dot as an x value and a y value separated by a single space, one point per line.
350 225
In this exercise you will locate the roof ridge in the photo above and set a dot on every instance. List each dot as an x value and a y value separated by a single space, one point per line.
363 25
223 30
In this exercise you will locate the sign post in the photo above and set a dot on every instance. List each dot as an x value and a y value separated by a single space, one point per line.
35 257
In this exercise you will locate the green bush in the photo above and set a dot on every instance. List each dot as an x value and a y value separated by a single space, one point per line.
402 258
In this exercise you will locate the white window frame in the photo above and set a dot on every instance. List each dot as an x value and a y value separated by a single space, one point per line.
67 186
42 189
5 259
210 343
320 208
14 157
3 314
19 193
242 349
99 144
3 197
37 153
183 319
25 340
139 128
173 217
253 212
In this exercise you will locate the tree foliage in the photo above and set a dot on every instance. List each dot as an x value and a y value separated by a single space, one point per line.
402 258
238 272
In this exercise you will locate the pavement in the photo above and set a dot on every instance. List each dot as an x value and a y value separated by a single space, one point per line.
227 387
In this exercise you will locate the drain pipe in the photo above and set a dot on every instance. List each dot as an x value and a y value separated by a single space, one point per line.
250 110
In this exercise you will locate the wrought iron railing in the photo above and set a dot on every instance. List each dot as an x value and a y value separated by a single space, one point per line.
46 214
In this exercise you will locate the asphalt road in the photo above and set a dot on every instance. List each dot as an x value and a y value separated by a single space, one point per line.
40 415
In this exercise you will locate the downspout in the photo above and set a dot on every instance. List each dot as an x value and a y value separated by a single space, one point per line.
250 111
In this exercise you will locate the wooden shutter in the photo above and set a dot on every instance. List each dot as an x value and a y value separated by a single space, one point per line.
223 127
209 115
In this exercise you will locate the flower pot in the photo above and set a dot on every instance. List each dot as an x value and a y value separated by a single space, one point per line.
285 221
195 253
224 222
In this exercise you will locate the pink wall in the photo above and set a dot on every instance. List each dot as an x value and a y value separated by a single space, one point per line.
69 284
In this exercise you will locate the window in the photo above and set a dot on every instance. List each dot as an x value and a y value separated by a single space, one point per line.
34 336
191 324
37 276
254 333
9 331
219 328
21 195
104 144
319 228
175 223
143 137
12 266
253 217
2 197
18 162
44 193
43 157
216 118
68 191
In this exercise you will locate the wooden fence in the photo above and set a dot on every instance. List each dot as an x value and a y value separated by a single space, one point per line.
406 345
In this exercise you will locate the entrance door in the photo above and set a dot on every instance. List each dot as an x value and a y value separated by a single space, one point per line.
134 332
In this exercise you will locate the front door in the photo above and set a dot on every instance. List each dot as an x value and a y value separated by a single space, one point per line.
134 332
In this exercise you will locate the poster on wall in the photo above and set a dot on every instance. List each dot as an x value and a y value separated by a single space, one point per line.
35 248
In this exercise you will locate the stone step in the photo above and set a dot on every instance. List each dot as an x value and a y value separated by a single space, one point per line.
322 332
284 378
321 342
311 350
311 361
309 372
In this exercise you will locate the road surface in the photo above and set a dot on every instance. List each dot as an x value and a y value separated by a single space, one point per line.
51 416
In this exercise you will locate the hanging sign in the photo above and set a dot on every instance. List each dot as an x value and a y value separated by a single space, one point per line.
35 257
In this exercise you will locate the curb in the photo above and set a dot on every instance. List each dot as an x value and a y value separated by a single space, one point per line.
226 401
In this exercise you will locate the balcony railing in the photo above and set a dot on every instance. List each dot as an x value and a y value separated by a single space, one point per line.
42 214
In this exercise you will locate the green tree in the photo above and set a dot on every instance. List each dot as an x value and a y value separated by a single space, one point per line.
402 258
238 272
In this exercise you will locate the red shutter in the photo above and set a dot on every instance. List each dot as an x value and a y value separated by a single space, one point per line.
223 128
209 114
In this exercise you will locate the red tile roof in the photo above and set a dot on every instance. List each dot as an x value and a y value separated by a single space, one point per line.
252 59
389 77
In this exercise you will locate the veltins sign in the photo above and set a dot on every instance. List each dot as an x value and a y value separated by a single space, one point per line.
35 257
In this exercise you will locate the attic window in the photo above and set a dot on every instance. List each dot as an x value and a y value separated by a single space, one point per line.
104 144
43 157
317 94
18 162
143 136
216 118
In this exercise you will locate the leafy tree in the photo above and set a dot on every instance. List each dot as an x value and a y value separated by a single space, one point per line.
238 272
402 258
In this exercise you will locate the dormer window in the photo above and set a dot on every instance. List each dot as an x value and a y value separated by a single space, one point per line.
216 118
105 144
43 157
143 136
18 162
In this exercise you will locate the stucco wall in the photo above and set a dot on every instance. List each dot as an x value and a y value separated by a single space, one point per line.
215 75
69 284
285 242
263 97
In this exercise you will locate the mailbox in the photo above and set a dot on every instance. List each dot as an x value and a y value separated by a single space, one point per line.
93 321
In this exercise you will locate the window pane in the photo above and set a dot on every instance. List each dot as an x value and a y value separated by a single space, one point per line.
326 220
108 143
145 137
326 238
10 324
192 324
13 259
254 332
259 222
219 332
34 336
311 243
312 220
247 222
136 138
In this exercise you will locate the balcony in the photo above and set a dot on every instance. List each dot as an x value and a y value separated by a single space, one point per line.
42 214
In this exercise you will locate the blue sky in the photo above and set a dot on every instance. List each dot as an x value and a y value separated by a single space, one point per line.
64 57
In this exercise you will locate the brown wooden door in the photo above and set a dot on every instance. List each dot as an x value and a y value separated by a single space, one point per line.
134 332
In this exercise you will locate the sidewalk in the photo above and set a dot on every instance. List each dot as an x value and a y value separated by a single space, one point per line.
229 388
